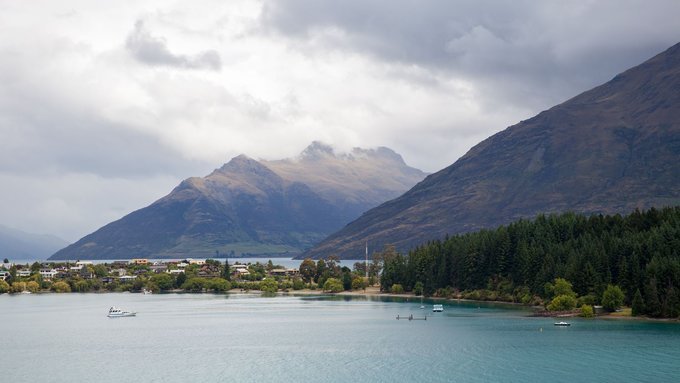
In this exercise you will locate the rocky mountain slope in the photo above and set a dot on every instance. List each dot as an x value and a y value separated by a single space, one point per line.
249 207
608 150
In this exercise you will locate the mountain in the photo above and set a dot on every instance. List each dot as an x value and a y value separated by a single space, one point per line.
254 207
609 150
16 244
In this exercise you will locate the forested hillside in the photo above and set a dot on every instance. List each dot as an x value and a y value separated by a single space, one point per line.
638 252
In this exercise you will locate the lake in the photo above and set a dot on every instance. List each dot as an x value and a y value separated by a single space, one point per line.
249 338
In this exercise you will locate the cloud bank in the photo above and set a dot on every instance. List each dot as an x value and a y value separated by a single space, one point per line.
105 109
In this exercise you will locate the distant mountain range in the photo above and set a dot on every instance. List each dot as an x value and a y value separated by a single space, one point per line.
609 150
18 245
250 207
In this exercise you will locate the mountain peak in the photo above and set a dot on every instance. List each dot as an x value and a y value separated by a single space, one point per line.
317 150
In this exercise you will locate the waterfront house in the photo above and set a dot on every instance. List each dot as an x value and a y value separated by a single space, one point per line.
84 263
139 261
176 271
127 278
158 268
48 274
209 271
283 272
121 272
23 273
240 273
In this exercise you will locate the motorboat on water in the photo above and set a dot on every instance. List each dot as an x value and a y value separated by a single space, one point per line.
115 312
562 324
437 308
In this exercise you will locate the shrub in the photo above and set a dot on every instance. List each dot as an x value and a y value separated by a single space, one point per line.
612 298
219 285
61 287
397 289
562 303
333 285
33 286
195 284
269 285
4 287
587 311
18 287
298 284
358 283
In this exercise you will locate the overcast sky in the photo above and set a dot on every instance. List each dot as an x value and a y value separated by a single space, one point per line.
106 106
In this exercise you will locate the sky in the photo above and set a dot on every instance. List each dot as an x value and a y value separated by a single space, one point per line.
106 106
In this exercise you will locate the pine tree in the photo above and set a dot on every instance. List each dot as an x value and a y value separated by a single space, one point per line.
638 305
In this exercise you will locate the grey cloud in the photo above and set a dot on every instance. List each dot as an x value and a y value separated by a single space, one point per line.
532 54
41 136
154 51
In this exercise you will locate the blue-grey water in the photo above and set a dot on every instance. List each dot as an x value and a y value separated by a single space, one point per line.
249 338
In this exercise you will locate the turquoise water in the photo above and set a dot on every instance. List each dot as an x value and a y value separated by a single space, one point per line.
248 338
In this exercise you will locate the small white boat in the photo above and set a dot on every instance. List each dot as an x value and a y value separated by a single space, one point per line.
562 324
145 292
115 312
437 308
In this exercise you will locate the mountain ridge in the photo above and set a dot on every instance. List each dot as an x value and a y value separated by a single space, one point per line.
610 150
250 206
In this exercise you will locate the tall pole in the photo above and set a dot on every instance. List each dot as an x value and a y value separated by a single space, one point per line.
366 260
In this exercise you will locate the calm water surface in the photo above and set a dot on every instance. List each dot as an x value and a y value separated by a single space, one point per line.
248 338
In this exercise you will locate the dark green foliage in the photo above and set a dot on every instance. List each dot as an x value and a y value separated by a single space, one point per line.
397 289
347 280
418 288
638 305
269 285
612 298
179 281
333 285
163 281
635 252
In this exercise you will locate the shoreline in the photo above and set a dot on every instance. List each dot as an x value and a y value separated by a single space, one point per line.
375 292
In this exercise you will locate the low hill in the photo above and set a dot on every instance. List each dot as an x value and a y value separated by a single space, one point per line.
18 245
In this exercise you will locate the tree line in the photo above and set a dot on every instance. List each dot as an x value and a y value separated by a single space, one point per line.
637 254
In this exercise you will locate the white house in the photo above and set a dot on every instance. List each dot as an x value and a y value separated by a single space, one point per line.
4 274
48 273
23 273
83 263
